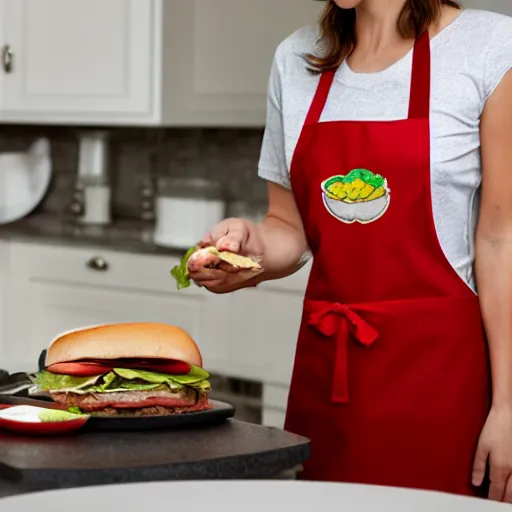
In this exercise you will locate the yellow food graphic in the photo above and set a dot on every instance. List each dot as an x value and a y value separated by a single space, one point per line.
354 193
358 186
376 194
366 192
336 191
358 183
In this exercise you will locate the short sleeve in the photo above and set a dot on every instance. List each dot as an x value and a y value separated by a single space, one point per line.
499 56
272 164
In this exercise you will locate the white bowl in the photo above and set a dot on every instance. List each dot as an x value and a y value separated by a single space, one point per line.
363 213
24 180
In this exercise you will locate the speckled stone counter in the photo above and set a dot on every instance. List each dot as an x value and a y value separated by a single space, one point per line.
121 235
232 450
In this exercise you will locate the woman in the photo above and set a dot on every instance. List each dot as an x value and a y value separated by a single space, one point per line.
378 136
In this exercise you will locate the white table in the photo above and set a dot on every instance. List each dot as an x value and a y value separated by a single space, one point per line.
244 496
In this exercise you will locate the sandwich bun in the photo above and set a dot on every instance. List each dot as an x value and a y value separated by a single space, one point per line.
126 340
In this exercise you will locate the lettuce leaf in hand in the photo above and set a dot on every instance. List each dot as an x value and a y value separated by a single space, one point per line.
180 272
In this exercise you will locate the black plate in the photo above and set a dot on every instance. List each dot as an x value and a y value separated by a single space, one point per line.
24 400
221 412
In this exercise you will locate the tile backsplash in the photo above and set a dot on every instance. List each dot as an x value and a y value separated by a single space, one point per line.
229 156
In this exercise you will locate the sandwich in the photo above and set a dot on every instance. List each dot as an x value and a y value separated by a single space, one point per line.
134 369
181 274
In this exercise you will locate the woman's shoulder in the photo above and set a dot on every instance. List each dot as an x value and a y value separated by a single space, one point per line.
480 27
291 52
476 46
481 43
489 18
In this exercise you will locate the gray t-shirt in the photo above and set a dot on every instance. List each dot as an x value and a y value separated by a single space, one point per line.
469 59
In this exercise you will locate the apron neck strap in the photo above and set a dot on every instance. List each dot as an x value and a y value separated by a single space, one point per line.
419 105
318 103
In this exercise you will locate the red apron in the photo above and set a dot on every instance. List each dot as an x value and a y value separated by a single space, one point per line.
391 379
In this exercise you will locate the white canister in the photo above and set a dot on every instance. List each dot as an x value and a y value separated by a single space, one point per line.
93 176
97 200
186 209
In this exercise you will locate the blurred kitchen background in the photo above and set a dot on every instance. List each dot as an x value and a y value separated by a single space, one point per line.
127 129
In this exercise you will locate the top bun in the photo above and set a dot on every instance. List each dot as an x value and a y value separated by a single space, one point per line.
126 340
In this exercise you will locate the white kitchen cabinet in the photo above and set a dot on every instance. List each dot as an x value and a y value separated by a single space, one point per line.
142 62
220 53
269 319
78 60
264 325
4 265
274 403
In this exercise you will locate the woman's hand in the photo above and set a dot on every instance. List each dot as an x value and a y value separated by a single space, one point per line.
278 243
239 236
495 445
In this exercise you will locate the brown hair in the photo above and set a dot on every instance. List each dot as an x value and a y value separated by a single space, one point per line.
337 28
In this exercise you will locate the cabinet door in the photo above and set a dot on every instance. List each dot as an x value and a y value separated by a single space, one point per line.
219 53
4 272
77 60
264 324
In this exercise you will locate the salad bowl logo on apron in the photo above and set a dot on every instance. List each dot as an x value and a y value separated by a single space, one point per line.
360 196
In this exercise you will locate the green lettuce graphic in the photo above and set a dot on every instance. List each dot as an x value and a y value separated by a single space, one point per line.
368 177
122 379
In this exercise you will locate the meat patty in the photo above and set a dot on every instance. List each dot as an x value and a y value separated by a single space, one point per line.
153 402
154 411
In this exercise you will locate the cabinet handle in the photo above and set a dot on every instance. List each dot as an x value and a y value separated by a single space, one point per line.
98 263
7 58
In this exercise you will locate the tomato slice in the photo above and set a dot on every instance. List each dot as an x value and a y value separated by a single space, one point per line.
170 367
77 369
151 365
91 368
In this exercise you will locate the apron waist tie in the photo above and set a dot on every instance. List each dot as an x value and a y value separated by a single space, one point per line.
330 318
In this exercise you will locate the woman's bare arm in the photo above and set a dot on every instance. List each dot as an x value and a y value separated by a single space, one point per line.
282 235
494 238
494 280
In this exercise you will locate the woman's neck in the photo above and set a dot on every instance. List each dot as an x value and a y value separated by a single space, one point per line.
378 42
376 25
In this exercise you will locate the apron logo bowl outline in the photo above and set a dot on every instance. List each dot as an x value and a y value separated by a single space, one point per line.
364 212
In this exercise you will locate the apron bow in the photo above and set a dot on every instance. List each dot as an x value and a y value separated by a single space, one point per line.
331 318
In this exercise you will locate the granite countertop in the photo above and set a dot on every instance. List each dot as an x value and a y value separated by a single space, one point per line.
231 450
122 235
